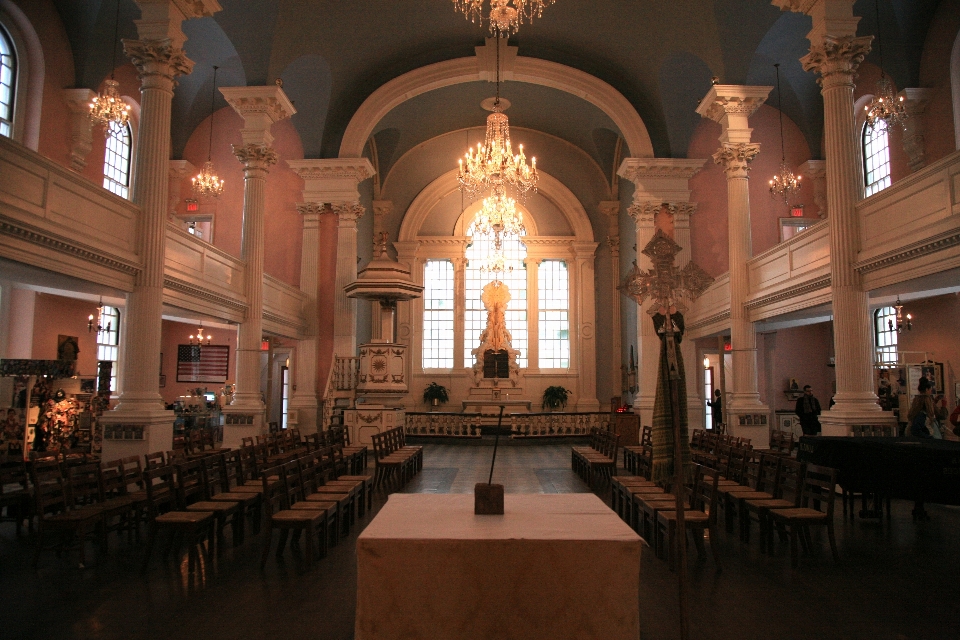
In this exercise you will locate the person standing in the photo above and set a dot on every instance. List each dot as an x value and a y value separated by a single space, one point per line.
717 413
808 410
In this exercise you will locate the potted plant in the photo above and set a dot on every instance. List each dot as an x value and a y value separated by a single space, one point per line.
554 398
435 394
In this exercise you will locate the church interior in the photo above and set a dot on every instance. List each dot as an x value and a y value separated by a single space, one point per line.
396 238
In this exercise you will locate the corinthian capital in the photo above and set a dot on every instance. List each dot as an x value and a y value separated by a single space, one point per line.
736 158
311 208
255 156
837 57
348 211
157 59
643 213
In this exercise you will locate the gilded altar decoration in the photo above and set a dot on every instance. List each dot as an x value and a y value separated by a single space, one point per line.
496 343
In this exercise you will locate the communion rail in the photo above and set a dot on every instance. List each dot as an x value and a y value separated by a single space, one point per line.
521 425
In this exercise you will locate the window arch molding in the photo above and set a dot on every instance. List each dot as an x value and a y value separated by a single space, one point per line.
28 99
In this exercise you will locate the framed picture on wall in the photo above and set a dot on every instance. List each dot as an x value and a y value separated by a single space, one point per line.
203 364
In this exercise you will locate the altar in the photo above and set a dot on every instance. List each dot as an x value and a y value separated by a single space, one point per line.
428 568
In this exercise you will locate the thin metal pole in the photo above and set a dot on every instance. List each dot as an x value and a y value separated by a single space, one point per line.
495 443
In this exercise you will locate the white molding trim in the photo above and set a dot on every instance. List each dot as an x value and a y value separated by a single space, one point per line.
528 70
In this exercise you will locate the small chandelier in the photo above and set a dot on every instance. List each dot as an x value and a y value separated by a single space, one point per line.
885 107
902 320
108 106
786 183
99 324
493 164
495 266
498 217
505 16
200 340
207 183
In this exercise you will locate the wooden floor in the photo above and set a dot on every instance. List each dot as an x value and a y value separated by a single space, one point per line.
898 580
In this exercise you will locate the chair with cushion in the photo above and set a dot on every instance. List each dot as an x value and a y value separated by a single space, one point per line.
815 509
193 496
701 517
280 516
786 494
191 527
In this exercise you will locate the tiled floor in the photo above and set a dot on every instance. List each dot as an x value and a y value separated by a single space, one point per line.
898 580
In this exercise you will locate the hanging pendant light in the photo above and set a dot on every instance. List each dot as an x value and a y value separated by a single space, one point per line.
885 107
99 325
108 106
786 183
903 320
199 339
505 16
207 183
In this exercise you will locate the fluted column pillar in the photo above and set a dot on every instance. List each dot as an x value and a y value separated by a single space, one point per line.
611 211
835 54
658 183
731 106
305 400
259 107
585 254
681 212
159 58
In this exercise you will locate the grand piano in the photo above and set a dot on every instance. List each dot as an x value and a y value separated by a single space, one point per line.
923 470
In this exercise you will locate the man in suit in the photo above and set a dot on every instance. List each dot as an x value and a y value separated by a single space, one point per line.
808 410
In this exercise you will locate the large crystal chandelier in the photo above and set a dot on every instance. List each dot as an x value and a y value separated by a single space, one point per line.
885 106
505 16
493 163
108 106
499 217
786 183
207 182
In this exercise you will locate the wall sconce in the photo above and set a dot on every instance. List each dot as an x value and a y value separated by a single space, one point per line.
706 362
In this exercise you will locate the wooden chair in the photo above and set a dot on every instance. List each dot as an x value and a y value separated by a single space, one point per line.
218 490
192 527
193 497
701 517
14 492
154 460
815 509
280 516
121 509
57 514
786 494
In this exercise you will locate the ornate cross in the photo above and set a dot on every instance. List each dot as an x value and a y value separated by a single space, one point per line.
664 283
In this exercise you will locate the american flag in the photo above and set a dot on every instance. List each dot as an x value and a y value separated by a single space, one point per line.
202 364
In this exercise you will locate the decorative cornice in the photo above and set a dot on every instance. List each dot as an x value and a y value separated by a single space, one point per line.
157 58
837 56
912 251
633 169
63 245
296 324
268 102
358 169
731 99
736 158
797 6
792 291
709 320
255 156
198 8
176 284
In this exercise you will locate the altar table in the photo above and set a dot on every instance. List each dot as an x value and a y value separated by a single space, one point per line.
553 566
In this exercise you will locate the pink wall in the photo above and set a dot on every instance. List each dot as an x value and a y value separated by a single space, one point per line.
56 315
283 226
940 139
935 330
708 226
177 333
867 78
801 353
327 265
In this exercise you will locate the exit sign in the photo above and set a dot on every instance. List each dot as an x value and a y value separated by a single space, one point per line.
796 211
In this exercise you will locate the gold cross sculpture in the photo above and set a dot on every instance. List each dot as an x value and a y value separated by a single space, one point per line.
664 283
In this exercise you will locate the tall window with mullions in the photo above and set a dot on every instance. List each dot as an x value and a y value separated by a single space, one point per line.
876 157
438 340
108 339
554 315
116 161
8 80
885 334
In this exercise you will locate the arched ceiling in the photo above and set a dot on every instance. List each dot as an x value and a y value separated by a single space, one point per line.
659 55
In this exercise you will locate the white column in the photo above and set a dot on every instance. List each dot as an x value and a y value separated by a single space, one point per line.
334 182
259 107
81 126
835 54
611 211
159 57
305 399
533 313
915 104
657 181
586 330
731 106
459 313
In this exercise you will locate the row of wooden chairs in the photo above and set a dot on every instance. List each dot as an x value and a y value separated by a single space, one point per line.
598 461
638 459
782 442
396 461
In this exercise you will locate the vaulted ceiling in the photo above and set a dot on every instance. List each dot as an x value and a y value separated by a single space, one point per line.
332 54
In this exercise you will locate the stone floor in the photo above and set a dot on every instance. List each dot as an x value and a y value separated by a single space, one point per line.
898 580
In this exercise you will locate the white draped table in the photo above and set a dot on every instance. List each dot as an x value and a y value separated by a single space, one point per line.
553 566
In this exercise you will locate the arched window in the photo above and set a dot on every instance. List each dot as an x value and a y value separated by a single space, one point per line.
8 83
108 339
438 340
876 157
553 292
885 334
515 278
116 162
